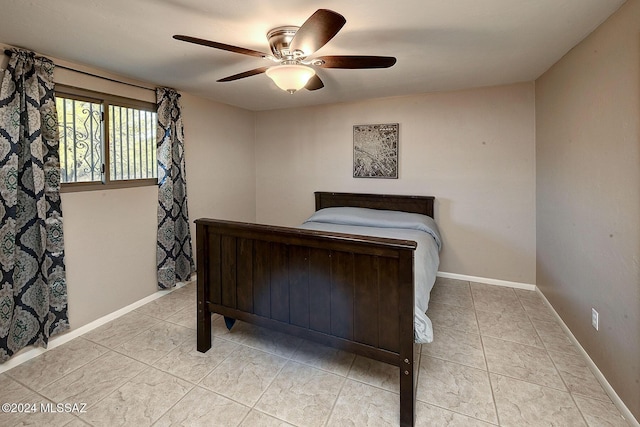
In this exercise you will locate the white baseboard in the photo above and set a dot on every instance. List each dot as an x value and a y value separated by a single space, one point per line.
626 413
497 282
31 352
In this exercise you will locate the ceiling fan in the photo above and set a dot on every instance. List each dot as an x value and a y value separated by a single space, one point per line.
291 47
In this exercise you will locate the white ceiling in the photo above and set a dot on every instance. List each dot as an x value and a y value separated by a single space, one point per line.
440 45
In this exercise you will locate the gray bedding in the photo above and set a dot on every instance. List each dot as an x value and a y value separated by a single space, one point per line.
396 225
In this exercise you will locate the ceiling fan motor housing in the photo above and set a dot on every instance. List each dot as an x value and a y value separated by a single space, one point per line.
280 42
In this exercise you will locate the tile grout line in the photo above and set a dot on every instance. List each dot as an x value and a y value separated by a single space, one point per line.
546 348
333 406
150 366
193 386
566 390
484 354
109 350
43 398
39 393
344 381
7 373
103 355
253 406
31 352
462 364
547 352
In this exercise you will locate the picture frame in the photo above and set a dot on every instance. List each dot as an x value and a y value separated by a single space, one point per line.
375 150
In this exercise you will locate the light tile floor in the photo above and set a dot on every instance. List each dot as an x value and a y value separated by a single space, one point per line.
499 358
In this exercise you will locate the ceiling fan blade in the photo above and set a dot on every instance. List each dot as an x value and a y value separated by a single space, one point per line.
356 61
316 31
245 74
314 83
222 46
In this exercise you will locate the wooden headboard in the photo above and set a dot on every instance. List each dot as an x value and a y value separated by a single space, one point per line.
415 204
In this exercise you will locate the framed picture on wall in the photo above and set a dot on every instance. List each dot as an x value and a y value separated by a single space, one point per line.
375 151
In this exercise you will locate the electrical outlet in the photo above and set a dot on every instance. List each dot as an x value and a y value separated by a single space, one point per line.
595 319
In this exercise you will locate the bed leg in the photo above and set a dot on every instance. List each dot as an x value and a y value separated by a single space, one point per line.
407 394
204 321
407 345
203 314
204 328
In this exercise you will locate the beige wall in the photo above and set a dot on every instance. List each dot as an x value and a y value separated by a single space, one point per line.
109 250
473 150
588 195
110 235
221 178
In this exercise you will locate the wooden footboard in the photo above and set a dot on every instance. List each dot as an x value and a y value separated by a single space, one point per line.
351 292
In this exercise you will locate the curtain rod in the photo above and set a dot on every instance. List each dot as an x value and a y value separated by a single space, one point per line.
9 53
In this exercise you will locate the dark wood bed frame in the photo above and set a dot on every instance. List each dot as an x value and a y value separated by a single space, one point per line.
351 292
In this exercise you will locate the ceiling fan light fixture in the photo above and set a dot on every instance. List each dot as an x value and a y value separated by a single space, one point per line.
290 77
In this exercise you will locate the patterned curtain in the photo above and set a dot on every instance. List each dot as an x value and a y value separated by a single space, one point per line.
33 291
174 256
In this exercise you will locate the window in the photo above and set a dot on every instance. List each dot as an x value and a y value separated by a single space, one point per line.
105 141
